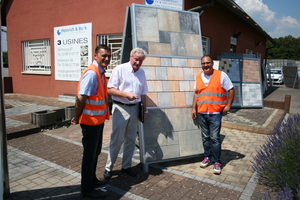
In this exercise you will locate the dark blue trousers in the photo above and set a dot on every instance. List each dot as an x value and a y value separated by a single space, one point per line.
92 144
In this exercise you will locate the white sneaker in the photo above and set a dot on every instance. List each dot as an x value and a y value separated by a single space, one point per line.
217 168
205 162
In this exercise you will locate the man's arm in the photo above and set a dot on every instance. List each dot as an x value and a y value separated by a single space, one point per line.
79 104
119 93
194 106
230 97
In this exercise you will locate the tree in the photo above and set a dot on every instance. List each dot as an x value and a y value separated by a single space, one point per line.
287 47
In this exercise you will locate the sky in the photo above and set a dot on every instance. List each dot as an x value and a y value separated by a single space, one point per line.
279 18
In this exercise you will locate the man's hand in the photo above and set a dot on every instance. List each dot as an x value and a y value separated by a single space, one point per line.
74 121
79 104
226 109
194 113
131 96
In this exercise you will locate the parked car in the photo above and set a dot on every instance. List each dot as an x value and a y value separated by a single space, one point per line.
276 76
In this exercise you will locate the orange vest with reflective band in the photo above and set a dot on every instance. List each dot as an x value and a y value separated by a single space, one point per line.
211 98
95 110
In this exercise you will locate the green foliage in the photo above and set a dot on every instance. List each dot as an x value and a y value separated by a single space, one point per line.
277 163
287 47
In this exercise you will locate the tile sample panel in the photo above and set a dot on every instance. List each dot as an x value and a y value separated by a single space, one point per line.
166 32
244 73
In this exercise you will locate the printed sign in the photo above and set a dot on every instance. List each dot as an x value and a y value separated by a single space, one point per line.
73 50
172 4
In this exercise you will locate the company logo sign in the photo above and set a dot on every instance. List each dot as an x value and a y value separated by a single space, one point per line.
71 30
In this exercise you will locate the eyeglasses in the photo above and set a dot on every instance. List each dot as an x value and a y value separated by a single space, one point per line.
207 63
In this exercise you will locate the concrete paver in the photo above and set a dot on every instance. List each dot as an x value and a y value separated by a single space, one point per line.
46 165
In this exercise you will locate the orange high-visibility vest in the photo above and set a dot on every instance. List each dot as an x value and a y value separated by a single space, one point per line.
211 98
95 110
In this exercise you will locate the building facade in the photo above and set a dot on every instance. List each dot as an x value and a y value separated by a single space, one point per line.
224 27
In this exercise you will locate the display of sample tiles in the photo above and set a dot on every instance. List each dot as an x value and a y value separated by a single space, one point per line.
167 32
170 81
172 40
244 72
232 68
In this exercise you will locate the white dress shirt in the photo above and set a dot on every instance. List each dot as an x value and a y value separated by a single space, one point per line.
125 79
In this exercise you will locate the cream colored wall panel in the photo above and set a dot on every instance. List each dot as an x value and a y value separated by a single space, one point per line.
175 73
159 48
151 61
169 21
146 25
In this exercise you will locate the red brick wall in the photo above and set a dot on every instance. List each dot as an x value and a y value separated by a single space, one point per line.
36 19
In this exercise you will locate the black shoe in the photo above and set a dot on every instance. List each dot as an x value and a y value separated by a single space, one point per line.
95 194
129 172
98 183
107 175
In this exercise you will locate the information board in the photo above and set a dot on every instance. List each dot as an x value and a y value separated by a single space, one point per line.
72 50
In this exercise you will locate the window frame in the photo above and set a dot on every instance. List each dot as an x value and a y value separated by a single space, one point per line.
36 57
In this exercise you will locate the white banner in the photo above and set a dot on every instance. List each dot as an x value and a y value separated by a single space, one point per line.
72 50
171 4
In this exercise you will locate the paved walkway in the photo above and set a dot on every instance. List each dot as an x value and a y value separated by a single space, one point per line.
46 165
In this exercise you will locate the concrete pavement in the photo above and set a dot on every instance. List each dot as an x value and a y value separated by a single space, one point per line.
46 165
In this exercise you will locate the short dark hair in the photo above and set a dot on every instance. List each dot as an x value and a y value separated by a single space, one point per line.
207 56
101 46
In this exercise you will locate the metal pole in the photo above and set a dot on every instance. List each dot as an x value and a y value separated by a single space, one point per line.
3 145
142 148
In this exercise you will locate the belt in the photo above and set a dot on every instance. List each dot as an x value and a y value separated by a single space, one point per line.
124 104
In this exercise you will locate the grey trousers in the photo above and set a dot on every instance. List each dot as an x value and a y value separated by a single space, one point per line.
124 131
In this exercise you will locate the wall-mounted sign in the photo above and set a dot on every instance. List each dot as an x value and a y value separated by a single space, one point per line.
232 40
72 50
171 4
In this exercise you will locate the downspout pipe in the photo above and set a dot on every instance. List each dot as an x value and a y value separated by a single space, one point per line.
201 8
266 59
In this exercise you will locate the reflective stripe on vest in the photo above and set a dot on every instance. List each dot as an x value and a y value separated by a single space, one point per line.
212 102
211 94
95 112
95 103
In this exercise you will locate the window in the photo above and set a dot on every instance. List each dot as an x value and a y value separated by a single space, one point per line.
249 51
258 55
206 45
36 57
114 41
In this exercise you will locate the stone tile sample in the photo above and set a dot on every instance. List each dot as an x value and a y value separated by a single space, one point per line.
252 95
251 71
147 24
171 133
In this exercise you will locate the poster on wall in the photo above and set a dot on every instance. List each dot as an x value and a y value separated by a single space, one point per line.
72 50
171 4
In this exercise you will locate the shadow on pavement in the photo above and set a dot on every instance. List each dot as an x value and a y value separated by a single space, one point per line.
126 183
270 91
55 193
116 188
